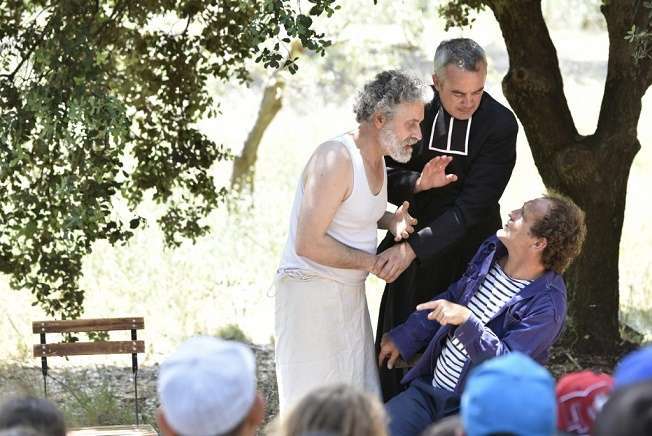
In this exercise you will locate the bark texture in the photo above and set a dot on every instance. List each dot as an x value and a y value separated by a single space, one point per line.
593 169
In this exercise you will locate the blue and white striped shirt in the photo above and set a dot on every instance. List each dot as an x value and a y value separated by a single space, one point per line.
496 290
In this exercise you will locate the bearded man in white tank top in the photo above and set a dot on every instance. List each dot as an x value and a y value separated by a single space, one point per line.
323 332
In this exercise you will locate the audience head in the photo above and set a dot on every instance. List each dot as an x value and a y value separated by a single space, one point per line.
338 410
634 368
511 394
580 396
208 387
22 415
449 426
22 431
628 412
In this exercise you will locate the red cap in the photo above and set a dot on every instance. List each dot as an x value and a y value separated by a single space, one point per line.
580 396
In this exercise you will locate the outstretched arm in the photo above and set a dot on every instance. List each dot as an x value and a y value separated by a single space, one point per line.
533 334
418 329
434 174
405 180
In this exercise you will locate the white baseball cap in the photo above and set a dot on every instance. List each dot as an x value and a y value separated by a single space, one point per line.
207 386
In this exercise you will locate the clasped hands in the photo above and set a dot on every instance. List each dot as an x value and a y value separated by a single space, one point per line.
393 261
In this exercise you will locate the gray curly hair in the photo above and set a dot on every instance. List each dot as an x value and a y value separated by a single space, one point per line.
385 92
464 53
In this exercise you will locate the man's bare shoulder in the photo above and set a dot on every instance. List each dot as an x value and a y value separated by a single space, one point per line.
331 155
332 152
331 164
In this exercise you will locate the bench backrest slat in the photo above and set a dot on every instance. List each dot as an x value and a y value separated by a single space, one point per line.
88 325
89 348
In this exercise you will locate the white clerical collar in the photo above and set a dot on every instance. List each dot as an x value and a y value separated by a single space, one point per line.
456 140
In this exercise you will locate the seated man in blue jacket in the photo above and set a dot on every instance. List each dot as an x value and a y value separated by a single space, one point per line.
511 298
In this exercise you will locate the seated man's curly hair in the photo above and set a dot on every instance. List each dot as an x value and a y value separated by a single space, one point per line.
564 228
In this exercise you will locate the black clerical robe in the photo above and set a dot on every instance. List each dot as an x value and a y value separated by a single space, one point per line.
453 220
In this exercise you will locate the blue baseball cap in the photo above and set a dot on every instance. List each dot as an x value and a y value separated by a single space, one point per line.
636 367
510 394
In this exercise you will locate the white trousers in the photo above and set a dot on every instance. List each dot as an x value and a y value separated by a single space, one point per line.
323 336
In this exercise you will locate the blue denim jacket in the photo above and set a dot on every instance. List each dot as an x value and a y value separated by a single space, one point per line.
530 322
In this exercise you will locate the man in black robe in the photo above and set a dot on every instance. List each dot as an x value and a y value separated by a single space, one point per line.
465 123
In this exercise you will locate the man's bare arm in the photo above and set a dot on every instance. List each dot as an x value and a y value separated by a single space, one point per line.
327 182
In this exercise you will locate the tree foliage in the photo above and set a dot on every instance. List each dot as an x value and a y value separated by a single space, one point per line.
99 102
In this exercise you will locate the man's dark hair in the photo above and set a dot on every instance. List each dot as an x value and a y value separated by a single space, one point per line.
36 413
564 228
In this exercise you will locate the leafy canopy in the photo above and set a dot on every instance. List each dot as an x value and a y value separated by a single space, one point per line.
99 102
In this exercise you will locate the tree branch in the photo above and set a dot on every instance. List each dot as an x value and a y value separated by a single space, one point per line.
643 20
534 75
11 75
626 83
118 9
27 55
185 30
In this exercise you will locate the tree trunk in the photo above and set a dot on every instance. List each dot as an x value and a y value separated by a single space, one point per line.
244 164
592 170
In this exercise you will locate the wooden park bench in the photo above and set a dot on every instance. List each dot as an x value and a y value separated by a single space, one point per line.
63 349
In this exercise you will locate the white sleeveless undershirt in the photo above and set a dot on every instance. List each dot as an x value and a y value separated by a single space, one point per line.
354 223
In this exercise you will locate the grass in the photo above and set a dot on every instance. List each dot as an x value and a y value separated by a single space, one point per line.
232 332
92 405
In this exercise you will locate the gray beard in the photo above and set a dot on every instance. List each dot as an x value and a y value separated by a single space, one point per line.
395 147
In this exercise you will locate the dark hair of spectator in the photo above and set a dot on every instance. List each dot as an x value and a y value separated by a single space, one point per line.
35 413
628 412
